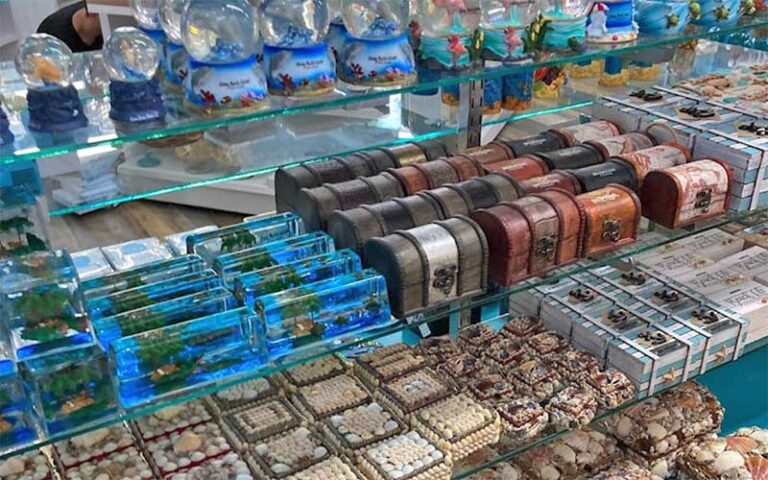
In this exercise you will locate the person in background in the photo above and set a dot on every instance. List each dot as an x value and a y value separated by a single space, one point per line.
73 25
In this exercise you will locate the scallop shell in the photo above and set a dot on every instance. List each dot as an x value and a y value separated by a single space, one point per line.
758 467
578 440
742 444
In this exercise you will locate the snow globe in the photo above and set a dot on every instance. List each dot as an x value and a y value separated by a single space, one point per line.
337 32
504 25
131 59
147 16
376 50
224 74
565 24
175 59
296 57
718 13
612 21
657 17
45 64
449 40
6 137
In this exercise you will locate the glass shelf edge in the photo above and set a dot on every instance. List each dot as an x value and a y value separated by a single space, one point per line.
203 123
357 338
243 175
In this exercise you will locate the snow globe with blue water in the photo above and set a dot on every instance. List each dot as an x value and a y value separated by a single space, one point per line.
504 24
449 40
224 74
612 21
147 16
175 59
6 136
296 57
45 64
131 59
377 51
566 24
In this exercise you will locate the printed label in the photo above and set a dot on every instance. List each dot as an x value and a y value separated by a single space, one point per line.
237 85
293 71
378 61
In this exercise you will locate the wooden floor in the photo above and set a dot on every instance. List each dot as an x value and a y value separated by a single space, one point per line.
131 221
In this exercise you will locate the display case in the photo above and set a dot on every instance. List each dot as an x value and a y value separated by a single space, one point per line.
605 312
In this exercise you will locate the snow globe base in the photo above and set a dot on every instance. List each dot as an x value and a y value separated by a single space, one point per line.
300 72
226 88
6 137
55 110
614 73
447 53
504 44
175 65
134 102
378 63
656 17
718 13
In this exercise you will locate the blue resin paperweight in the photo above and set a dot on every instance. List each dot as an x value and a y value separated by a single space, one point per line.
177 243
22 230
224 74
131 59
144 275
91 263
250 286
45 64
139 297
376 50
303 316
20 183
70 389
245 235
169 360
270 254
297 60
163 314
17 418
42 307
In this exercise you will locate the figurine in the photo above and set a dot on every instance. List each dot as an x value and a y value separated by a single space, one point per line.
657 17
376 51
45 64
612 21
131 59
297 60
504 25
566 24
224 74
717 13
448 39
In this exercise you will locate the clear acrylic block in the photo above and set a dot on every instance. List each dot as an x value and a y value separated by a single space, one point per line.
91 264
70 389
172 359
245 235
128 255
140 276
301 316
17 420
22 229
139 297
177 243
230 265
42 308
249 286
158 315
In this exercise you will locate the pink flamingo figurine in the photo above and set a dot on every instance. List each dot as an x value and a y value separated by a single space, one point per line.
456 47
512 38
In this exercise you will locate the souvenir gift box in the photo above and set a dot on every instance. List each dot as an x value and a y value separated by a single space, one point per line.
93 445
140 276
286 453
152 364
153 293
740 455
289 181
579 454
750 299
459 425
186 449
250 425
599 176
244 235
162 314
300 316
329 397
418 458
412 392
91 264
312 372
231 465
249 286
176 418
70 388
360 427
374 373
136 253
42 308
431 265
335 468
242 395
230 265
177 243
713 243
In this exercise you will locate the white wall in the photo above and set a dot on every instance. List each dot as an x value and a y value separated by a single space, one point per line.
19 18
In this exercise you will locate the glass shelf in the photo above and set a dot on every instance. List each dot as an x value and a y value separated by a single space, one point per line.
398 331
102 131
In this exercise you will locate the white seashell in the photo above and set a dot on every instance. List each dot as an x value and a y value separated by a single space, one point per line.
187 442
548 472
90 439
396 474
563 454
170 413
704 457
280 468
728 460
656 431
12 466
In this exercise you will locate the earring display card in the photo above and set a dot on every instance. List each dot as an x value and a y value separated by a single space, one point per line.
177 243
750 262
749 299
714 244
